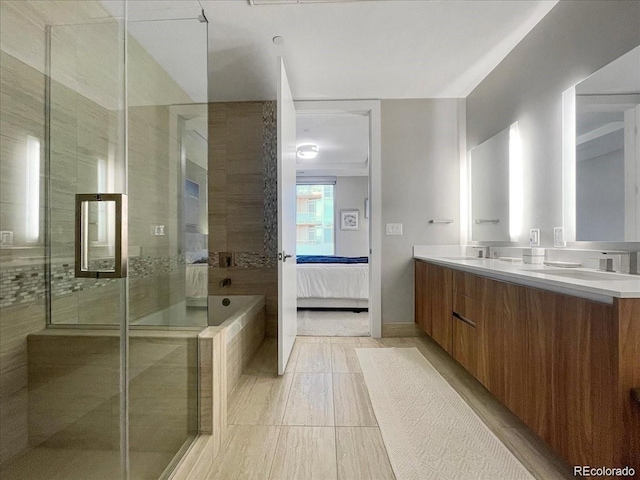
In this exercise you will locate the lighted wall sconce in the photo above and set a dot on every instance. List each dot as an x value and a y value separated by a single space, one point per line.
515 182
32 190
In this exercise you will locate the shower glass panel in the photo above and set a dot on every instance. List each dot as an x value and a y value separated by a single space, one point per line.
166 91
134 339
77 408
104 236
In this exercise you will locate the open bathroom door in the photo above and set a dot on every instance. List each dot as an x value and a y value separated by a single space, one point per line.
287 287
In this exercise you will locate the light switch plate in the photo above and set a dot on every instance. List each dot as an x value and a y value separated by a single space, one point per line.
558 237
6 238
394 229
534 237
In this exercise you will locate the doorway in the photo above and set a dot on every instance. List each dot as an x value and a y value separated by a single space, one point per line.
338 218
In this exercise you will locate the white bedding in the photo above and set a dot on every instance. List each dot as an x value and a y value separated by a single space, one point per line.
333 280
196 281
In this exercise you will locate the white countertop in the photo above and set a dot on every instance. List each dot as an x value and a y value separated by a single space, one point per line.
600 290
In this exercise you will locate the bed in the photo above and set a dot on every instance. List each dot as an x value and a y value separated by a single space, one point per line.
333 282
196 288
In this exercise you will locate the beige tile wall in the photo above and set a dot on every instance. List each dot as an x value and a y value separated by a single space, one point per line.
237 217
18 118
242 349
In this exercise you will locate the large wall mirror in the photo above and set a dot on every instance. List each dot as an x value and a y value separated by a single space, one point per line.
495 182
602 154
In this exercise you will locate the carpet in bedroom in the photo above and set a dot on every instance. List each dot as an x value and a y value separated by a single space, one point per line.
333 323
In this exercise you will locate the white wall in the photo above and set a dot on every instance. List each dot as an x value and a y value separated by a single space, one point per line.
420 181
573 41
350 193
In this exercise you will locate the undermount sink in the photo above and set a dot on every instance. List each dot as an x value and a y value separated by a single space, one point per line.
582 275
463 258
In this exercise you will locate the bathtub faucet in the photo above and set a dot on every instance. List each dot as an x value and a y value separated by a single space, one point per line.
225 282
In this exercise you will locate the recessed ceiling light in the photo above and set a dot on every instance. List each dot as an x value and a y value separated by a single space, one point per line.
277 40
307 151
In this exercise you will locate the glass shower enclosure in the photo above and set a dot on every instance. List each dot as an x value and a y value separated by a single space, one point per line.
113 378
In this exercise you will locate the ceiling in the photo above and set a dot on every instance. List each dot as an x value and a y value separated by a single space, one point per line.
342 140
362 49
336 49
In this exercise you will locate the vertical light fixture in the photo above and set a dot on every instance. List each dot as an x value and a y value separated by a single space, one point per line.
106 210
515 182
32 190
102 188
569 164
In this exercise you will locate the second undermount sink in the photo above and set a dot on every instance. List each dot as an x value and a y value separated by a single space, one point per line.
463 258
582 275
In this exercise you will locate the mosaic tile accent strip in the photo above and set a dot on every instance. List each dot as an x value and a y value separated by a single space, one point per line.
244 260
270 159
19 285
25 284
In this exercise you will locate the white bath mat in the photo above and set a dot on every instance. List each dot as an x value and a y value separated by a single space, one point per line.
428 429
333 323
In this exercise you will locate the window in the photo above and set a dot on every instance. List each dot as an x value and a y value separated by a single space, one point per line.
315 219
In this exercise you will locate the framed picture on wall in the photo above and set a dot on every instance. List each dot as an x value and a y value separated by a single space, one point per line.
349 219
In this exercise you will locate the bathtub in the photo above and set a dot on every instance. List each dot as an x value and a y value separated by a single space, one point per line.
233 312
241 321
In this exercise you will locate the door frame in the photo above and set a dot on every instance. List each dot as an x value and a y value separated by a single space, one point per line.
372 109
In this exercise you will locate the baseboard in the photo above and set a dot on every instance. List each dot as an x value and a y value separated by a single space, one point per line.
405 329
197 460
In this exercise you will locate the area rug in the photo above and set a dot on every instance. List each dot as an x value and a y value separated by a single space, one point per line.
428 429
333 323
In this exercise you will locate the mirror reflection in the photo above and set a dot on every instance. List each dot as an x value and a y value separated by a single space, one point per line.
495 180
607 152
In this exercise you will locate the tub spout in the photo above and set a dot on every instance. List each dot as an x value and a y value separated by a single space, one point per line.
225 282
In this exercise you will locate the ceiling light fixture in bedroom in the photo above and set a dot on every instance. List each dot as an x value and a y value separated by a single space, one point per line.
308 151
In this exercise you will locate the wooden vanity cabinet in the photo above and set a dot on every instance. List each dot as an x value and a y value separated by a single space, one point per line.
422 299
433 302
564 365
465 332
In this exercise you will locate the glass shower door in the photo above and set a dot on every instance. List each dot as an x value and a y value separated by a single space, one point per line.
115 378
166 89
77 369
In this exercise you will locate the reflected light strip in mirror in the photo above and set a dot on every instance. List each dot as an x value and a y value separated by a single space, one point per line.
569 164
106 210
515 182
465 198
102 188
32 190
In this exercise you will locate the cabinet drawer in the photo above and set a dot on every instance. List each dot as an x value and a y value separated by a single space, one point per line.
464 307
465 345
465 283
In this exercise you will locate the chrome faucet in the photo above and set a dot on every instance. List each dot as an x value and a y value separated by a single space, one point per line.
631 264
606 264
628 262
483 252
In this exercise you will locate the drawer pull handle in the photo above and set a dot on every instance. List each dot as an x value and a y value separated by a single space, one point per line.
464 319
635 394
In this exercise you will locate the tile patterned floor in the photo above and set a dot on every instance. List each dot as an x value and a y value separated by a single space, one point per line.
316 421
